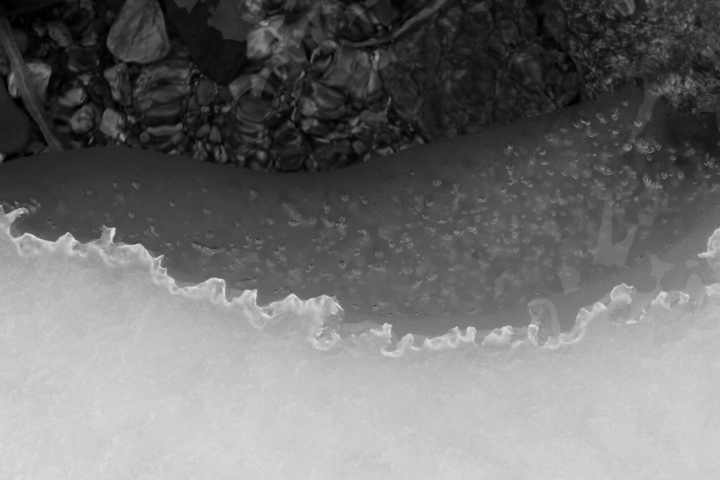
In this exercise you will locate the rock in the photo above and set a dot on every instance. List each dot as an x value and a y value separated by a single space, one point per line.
165 130
215 136
59 32
356 72
161 91
38 76
215 34
251 114
203 131
112 123
100 94
119 81
373 119
289 148
84 119
14 124
205 92
220 154
82 59
322 102
73 97
138 34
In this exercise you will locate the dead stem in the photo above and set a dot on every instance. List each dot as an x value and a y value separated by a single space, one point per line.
29 96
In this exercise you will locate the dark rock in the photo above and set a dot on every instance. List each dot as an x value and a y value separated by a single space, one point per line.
289 149
82 59
59 32
205 92
215 33
354 71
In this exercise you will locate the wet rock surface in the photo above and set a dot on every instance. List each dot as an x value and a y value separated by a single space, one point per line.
286 85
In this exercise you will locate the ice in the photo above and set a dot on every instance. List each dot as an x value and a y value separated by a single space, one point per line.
108 370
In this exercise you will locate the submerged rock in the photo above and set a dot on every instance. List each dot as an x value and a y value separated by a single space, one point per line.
84 119
112 123
119 80
215 34
161 91
138 34
38 76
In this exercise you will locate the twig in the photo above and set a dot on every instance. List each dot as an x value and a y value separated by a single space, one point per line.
29 96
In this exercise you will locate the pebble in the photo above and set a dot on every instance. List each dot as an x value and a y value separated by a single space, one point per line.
82 59
220 154
138 34
39 76
240 85
161 90
322 102
372 119
199 152
251 113
205 92
164 130
59 32
203 131
224 95
73 97
112 123
356 72
119 81
84 119
99 93
79 18
215 136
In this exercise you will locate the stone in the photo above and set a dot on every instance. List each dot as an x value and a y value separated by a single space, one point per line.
138 34
84 119
38 75
14 124
82 59
215 34
215 136
59 32
112 123
164 130
73 97
119 80
161 91
205 92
